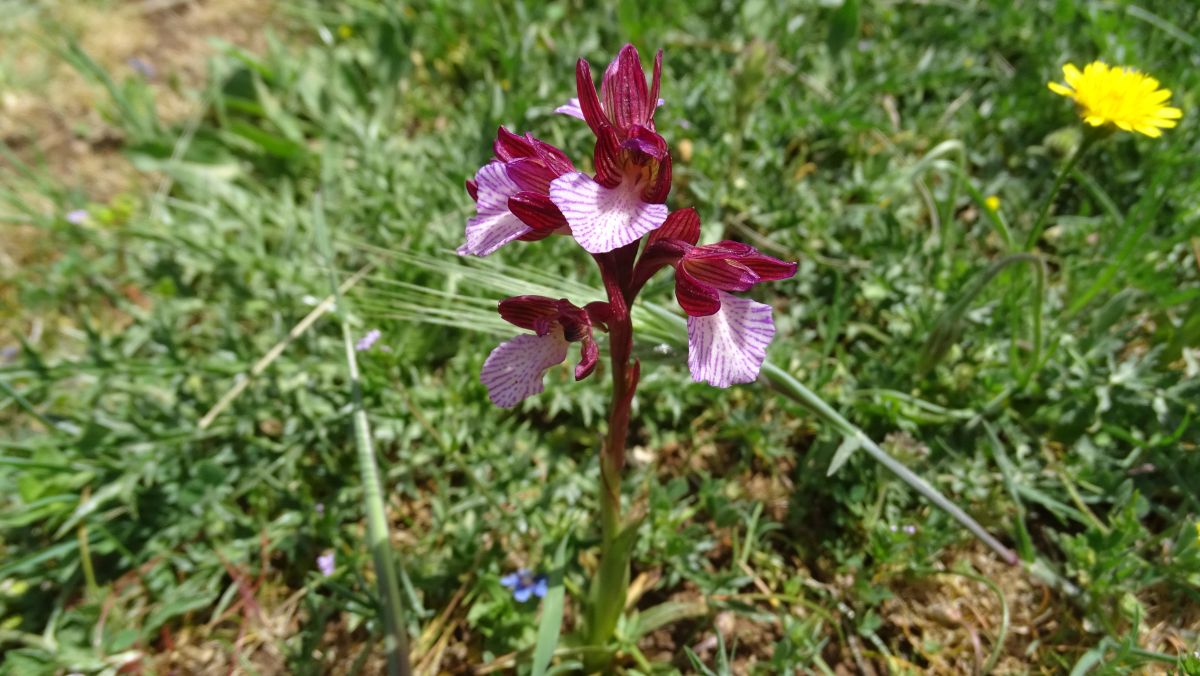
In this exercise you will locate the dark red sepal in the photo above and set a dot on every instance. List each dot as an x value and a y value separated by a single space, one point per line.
509 146
696 299
589 103
681 224
537 211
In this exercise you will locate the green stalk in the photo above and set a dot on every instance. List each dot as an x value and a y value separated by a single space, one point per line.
1040 224
1035 310
611 584
85 550
395 638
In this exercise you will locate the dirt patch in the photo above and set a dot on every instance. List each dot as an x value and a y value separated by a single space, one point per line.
61 124
54 117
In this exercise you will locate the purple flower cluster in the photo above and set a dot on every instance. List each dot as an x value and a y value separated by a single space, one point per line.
531 190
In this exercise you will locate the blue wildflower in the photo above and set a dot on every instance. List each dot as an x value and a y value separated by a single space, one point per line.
77 216
367 341
325 564
525 584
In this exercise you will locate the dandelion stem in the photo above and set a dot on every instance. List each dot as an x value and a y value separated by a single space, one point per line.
1040 224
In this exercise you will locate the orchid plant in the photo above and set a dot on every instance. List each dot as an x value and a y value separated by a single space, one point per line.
618 214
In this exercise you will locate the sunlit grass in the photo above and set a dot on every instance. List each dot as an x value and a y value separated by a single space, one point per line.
872 166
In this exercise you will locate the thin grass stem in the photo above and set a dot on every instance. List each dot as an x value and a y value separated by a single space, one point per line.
379 542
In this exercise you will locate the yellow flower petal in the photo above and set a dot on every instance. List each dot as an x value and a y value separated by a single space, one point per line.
1124 97
1071 74
1059 89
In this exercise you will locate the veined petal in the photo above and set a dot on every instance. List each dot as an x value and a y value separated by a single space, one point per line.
696 299
726 274
553 157
603 219
537 211
494 225
589 103
509 146
606 156
527 311
654 84
571 107
493 187
623 91
768 268
589 356
530 174
729 347
682 224
486 233
513 371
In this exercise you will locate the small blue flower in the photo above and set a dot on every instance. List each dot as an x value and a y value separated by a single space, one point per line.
326 564
367 341
525 584
77 216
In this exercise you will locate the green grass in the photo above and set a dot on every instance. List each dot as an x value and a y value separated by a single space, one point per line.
128 532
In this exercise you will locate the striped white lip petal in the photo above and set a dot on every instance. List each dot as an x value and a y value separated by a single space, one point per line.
494 225
571 107
729 347
603 219
513 371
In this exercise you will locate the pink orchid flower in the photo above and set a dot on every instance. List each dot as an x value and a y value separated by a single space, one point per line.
511 194
727 335
624 200
531 190
513 371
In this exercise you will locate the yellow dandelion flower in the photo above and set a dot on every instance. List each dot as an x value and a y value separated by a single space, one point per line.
992 203
345 32
1120 96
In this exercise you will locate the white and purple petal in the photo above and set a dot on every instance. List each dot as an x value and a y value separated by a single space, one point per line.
494 225
571 107
603 219
730 346
513 371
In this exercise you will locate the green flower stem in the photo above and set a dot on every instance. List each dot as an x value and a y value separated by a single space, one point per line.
378 541
1044 213
1035 310
611 585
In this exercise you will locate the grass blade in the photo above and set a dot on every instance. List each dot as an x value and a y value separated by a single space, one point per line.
552 614
396 640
